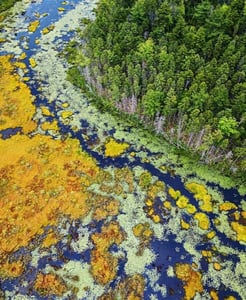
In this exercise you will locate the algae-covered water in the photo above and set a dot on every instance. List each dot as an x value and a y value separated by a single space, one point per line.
90 207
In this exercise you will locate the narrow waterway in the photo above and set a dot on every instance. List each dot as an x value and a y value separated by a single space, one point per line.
92 208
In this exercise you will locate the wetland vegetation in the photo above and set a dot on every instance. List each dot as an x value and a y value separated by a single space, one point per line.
93 206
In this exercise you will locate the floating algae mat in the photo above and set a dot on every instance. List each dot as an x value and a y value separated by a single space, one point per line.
88 209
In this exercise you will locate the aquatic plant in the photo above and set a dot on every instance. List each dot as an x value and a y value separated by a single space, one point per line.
103 263
203 220
49 284
200 193
11 269
191 278
33 26
16 101
114 148
45 184
131 288
145 179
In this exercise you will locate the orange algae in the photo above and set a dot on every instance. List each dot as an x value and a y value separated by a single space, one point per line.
167 205
11 269
33 26
184 225
50 239
22 56
48 29
46 111
114 148
152 192
203 221
155 188
191 209
192 280
174 194
66 114
182 202
103 263
207 253
142 230
211 235
214 295
49 284
105 207
201 193
156 218
132 288
65 105
38 186
50 125
32 62
227 206
16 108
125 175
217 266
149 202
240 229
20 65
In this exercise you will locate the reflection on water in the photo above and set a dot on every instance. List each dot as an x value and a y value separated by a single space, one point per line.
90 208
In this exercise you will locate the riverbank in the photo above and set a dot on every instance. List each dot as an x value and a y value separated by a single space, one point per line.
181 160
146 70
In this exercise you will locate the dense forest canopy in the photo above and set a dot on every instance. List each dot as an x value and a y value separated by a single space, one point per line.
5 4
178 65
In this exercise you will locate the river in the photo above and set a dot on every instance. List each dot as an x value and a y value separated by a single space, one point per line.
92 208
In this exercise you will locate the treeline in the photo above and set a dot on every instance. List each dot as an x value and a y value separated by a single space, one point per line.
179 66
6 4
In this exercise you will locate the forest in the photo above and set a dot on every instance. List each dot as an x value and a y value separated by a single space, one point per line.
5 4
178 66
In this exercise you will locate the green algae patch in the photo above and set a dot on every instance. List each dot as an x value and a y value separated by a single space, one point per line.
114 148
145 180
